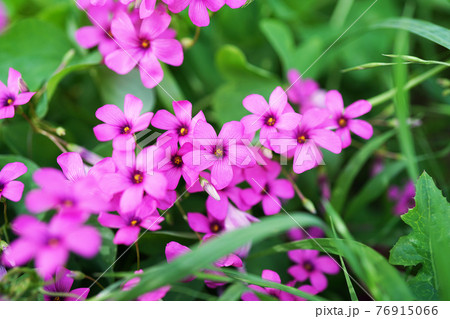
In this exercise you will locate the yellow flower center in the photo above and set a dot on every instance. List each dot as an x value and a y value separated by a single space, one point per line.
215 228
301 139
184 131
134 223
218 152
126 130
145 44
270 121
342 122
138 178
177 160
9 101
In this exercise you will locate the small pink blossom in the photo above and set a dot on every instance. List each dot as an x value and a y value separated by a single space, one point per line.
129 224
269 117
270 275
120 126
266 187
50 244
404 198
10 95
181 125
219 153
302 142
9 188
345 121
309 265
305 92
295 234
145 47
62 282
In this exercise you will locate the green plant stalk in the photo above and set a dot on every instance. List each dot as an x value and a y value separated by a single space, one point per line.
388 95
402 108
340 13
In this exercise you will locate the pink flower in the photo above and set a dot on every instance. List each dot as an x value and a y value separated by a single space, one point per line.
62 282
74 169
50 244
129 224
9 188
269 117
120 126
198 9
10 95
99 33
305 92
270 275
205 224
266 188
345 120
310 265
146 8
136 176
172 165
181 125
302 142
239 219
219 153
154 295
404 198
77 199
144 47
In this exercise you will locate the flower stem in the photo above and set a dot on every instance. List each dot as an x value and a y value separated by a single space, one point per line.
307 203
5 225
183 213
94 281
138 256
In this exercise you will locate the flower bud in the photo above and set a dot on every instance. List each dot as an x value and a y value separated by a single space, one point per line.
209 188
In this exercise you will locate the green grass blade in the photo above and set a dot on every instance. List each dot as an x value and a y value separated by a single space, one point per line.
203 256
382 279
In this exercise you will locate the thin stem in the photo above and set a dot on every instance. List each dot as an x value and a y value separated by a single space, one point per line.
138 255
297 190
5 225
94 281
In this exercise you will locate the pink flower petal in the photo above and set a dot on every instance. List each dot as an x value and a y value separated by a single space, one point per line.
121 61
84 241
12 171
357 109
217 208
221 174
198 222
152 27
278 100
361 128
110 220
334 102
256 104
126 235
72 165
168 51
198 13
298 272
318 280
327 265
111 114
327 140
174 249
150 70
89 37
132 107
271 205
13 191
13 80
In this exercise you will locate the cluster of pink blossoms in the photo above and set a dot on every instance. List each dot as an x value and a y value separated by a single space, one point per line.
128 36
128 190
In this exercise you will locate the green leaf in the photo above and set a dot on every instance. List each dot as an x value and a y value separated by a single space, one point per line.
382 279
425 29
26 179
114 87
203 256
34 48
243 79
428 241
349 173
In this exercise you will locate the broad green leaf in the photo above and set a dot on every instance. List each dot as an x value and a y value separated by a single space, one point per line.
233 292
26 179
349 173
243 79
203 256
382 279
425 29
113 88
427 242
34 48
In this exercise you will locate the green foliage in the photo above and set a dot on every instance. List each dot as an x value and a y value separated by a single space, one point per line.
428 241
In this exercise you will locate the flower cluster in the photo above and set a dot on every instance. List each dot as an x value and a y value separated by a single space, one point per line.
129 190
129 35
